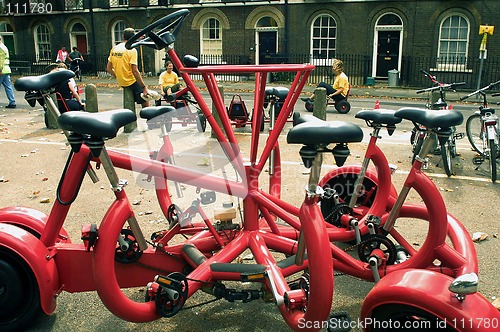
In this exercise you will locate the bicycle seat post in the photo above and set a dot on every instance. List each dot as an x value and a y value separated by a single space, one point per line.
429 142
313 190
358 184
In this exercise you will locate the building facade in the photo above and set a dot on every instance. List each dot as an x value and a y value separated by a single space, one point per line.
371 36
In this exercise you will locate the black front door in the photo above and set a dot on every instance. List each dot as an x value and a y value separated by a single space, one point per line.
267 46
387 52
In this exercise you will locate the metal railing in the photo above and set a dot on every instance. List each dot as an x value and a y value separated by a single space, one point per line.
357 67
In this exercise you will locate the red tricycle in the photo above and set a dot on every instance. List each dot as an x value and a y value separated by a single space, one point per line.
342 106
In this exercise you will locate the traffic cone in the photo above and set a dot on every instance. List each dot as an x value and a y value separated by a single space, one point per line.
377 105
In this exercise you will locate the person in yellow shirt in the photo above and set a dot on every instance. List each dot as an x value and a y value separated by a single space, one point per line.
168 80
340 86
5 74
122 65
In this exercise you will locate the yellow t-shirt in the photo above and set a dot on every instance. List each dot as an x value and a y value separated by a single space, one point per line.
341 81
168 79
122 59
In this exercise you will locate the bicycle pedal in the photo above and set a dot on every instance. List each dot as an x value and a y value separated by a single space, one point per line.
478 160
339 322
459 136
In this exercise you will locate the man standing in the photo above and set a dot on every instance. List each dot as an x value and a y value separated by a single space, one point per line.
5 74
122 65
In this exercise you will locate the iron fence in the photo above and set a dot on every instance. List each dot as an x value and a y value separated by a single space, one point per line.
357 67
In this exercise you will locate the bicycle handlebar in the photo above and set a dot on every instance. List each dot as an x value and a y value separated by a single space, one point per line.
450 86
482 90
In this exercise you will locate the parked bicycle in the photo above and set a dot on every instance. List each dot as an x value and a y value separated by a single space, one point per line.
483 132
446 146
75 67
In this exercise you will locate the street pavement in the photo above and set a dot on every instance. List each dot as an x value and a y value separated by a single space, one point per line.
32 157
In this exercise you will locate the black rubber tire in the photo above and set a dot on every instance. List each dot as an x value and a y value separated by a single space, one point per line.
344 186
493 161
388 316
474 132
201 123
295 118
343 106
19 293
447 159
309 106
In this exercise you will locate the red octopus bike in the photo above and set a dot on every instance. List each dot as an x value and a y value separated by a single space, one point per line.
40 260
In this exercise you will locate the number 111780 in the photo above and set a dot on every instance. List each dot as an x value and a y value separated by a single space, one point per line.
32 7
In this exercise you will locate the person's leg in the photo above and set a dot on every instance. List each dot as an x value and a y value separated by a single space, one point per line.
338 97
175 87
8 90
329 89
137 95
74 105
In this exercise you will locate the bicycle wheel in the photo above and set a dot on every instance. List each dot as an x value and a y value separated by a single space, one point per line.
493 160
19 293
446 156
474 131
389 316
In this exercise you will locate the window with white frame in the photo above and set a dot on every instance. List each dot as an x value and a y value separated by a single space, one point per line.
211 37
118 3
453 43
117 32
323 38
42 42
74 4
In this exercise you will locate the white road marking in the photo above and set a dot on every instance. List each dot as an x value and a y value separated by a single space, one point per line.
296 163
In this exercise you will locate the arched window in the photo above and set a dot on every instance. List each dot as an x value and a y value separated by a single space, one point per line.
78 37
211 37
42 42
117 32
453 41
323 37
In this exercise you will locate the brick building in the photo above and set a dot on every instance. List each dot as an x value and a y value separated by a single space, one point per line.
372 36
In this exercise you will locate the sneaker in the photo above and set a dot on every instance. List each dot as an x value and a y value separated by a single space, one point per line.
11 106
152 95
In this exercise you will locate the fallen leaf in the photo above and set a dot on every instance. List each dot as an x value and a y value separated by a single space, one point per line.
148 212
496 303
36 192
136 202
479 236
203 162
45 200
45 179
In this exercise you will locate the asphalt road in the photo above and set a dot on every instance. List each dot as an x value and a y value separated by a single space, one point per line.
32 157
